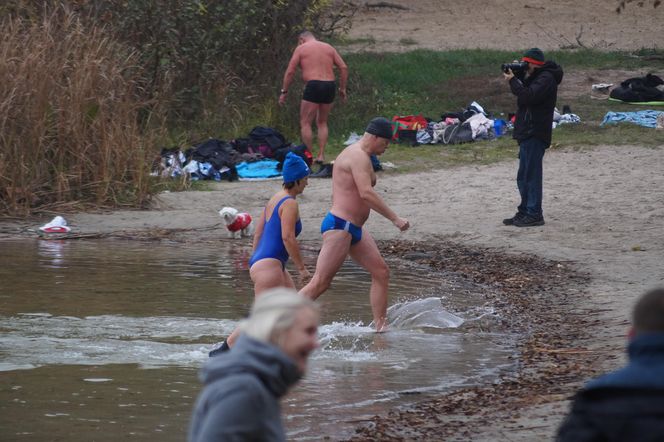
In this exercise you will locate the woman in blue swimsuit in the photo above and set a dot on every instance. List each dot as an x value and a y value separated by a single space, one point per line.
277 228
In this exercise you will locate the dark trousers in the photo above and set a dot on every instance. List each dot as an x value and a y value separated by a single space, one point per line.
529 176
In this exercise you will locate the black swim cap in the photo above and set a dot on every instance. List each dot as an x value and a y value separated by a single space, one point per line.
381 127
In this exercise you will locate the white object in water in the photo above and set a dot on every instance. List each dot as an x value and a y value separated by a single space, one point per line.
57 225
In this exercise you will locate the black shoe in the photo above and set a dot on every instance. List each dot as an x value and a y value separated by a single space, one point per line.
219 349
324 172
529 221
510 221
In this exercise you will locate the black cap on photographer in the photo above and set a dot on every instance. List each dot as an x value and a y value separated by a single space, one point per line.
534 56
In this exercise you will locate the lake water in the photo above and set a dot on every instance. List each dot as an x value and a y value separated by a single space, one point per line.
102 339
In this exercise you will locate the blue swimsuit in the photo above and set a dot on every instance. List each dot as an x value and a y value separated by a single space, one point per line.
271 244
333 222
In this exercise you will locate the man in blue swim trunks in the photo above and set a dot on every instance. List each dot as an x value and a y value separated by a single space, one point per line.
317 61
353 198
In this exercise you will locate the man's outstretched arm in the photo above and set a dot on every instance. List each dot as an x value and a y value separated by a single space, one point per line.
362 177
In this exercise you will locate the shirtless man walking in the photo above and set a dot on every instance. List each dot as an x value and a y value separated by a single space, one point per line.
317 61
353 198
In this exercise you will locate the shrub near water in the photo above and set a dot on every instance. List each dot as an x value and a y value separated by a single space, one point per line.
196 53
69 130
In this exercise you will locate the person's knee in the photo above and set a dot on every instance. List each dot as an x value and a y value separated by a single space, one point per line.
314 288
307 116
381 272
320 283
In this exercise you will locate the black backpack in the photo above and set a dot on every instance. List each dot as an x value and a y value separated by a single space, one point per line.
266 135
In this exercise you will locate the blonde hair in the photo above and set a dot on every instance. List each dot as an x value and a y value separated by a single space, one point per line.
274 312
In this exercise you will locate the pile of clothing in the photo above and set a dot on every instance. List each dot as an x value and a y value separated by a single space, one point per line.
215 159
470 124
564 117
646 90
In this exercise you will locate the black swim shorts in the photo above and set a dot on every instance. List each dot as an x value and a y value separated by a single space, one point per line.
318 91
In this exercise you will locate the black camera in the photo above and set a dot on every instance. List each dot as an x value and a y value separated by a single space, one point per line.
517 67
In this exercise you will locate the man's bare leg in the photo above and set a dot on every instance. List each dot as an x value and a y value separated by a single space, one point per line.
366 254
333 253
308 112
321 124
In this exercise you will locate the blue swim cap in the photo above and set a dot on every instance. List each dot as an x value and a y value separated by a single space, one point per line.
294 168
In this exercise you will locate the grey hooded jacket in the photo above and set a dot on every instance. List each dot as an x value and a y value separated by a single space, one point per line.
240 399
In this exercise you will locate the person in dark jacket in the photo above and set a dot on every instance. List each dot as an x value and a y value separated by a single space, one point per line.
240 399
536 89
628 404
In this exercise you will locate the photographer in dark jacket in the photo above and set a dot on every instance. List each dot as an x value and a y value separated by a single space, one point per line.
536 89
628 404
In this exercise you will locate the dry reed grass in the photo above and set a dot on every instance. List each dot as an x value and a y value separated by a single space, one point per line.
70 135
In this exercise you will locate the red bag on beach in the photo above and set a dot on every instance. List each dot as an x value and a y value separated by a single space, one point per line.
407 123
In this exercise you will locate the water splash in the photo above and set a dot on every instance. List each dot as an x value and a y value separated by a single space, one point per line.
33 339
36 339
420 314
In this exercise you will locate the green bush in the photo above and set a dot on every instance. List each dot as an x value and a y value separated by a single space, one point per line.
202 56
85 86
205 58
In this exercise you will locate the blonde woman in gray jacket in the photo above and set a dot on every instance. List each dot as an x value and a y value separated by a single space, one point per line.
240 399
